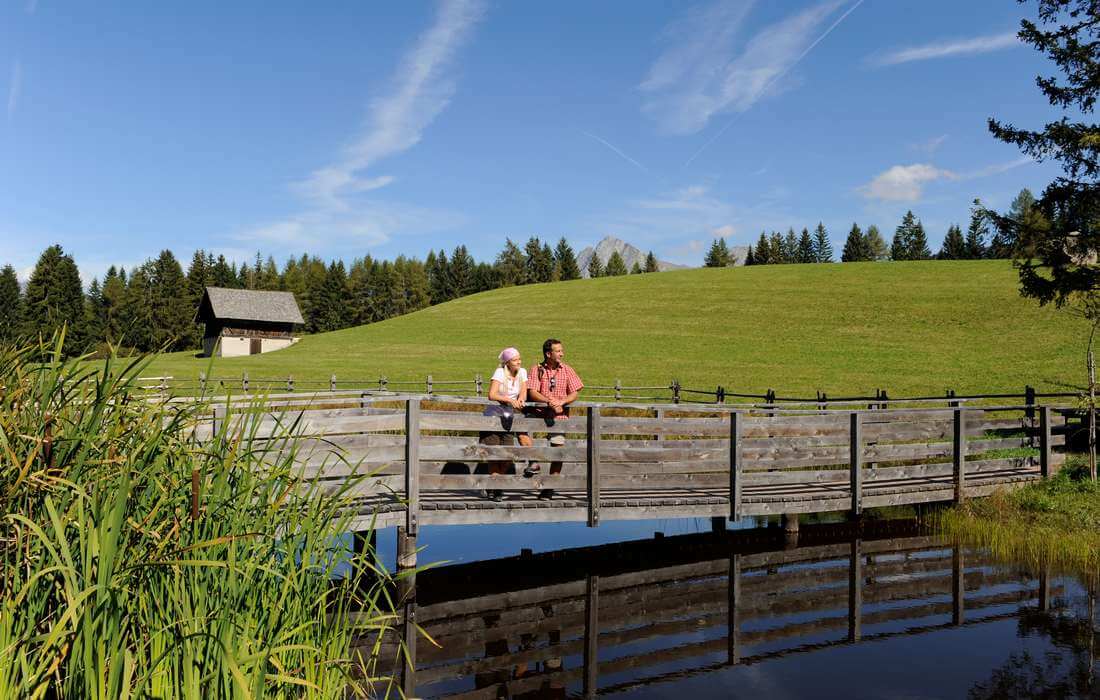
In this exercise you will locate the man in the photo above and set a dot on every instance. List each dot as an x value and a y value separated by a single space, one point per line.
556 384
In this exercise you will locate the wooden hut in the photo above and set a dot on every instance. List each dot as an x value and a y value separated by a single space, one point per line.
246 322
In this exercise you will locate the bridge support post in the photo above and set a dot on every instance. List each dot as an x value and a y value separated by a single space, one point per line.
412 467
1044 588
408 640
591 636
855 592
733 623
736 447
406 549
718 524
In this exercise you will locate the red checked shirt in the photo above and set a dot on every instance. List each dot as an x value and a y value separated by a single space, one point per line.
554 383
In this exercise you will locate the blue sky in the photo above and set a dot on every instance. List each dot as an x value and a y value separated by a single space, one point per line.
343 129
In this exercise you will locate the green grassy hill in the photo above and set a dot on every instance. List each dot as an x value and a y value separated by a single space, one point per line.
908 327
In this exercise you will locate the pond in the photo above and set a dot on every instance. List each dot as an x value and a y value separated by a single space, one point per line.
681 608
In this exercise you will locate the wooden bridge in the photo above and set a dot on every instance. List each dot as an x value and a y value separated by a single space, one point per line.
425 460
616 617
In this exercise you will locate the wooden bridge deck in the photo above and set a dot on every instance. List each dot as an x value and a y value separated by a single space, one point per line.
407 461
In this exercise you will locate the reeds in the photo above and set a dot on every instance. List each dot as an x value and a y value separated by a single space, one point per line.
123 574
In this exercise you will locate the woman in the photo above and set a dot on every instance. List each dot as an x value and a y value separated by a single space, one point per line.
508 387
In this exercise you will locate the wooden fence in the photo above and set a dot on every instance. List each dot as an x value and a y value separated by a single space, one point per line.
426 461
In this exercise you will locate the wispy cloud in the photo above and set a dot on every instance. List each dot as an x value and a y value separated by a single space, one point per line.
706 70
421 89
904 183
618 152
931 145
32 6
954 47
15 87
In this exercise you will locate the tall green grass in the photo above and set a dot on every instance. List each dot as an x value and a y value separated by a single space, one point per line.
1055 522
109 588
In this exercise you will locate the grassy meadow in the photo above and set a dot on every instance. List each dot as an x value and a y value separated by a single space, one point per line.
907 327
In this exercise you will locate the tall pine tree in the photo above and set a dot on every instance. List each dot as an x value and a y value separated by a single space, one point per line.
566 260
651 263
54 298
954 246
595 267
511 265
976 234
805 251
172 310
855 246
717 256
823 248
11 303
461 272
876 244
616 266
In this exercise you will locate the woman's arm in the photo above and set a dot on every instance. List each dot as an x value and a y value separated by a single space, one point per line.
496 393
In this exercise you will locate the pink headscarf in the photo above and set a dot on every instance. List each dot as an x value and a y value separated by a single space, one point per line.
507 354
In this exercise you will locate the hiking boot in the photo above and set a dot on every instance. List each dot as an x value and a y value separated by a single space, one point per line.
496 495
546 494
531 470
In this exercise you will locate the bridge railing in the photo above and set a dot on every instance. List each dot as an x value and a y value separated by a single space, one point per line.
642 461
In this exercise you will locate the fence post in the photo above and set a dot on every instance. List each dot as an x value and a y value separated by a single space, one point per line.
675 391
382 383
952 402
659 413
202 383
618 390
855 441
769 398
1044 442
244 381
736 447
290 382
720 394
412 465
958 454
218 420
593 430
429 385
885 400
477 384
332 383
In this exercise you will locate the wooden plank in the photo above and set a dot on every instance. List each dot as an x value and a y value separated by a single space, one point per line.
594 425
464 421
462 482
412 465
736 464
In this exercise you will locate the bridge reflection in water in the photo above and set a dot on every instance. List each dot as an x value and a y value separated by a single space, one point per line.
616 617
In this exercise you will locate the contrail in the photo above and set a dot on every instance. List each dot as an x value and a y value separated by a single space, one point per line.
621 154
777 76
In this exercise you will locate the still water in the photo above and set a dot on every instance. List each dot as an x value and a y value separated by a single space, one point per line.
671 609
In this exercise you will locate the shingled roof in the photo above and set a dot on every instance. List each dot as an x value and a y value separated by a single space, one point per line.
248 305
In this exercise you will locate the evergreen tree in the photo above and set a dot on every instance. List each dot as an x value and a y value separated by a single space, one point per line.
11 303
595 267
790 247
361 292
636 269
54 298
1005 240
910 242
762 255
136 315
269 276
486 277
856 248
172 311
330 305
439 279
95 315
114 299
223 275
461 272
651 263
823 248
511 265
954 246
566 260
538 263
717 256
876 245
805 251
975 235
616 266
750 256
776 248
